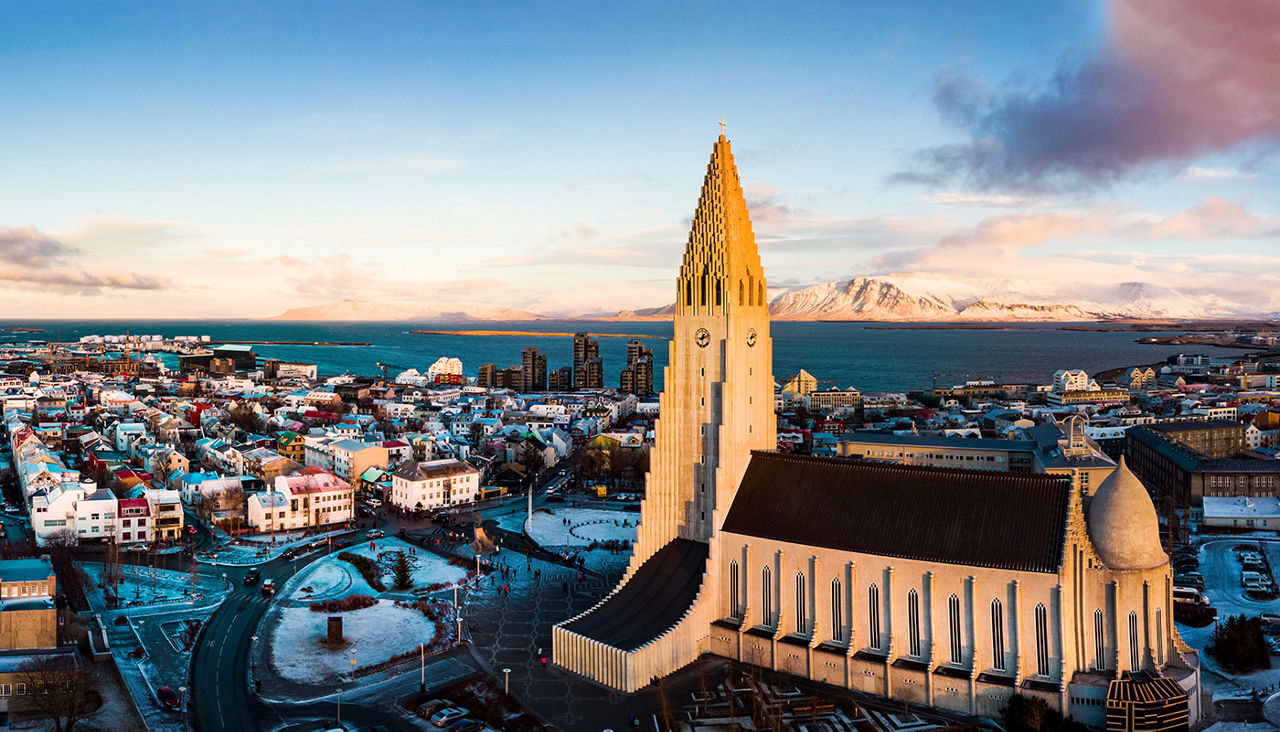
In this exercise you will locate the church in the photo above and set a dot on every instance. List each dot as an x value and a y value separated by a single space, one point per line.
940 586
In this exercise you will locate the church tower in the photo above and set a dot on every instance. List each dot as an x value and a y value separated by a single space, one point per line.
718 402
716 407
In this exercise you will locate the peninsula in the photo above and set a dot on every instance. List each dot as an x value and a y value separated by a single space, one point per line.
528 333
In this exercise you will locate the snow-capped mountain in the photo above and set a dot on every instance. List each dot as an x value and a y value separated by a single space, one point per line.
925 297
369 310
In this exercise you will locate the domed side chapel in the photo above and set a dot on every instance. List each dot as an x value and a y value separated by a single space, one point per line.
948 587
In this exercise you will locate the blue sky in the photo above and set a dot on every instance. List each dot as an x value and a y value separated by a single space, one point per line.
235 159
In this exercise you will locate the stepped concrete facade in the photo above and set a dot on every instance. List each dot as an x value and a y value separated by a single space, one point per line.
943 586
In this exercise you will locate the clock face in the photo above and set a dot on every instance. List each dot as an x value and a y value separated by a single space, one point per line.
702 337
751 337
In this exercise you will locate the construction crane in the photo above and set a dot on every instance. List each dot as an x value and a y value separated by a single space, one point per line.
384 366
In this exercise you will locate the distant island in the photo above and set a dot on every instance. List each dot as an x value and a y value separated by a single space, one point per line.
528 333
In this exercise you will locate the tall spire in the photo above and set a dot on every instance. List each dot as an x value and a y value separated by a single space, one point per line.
721 269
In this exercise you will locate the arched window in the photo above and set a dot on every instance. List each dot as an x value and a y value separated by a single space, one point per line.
997 635
1135 661
766 596
801 605
873 616
1042 640
735 610
1099 640
913 622
953 610
837 616
1159 639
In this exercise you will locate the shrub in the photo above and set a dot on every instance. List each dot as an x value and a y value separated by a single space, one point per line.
353 602
1239 646
367 568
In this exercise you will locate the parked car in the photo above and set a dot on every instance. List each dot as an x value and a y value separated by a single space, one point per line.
1247 576
430 707
376 533
448 716
1191 579
168 697
466 724
252 576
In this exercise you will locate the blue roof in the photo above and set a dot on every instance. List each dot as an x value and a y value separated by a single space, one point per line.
25 570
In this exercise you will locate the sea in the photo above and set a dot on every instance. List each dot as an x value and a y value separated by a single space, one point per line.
867 356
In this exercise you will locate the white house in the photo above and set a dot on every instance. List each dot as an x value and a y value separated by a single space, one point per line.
435 484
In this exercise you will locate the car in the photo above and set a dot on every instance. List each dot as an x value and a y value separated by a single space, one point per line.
466 724
376 533
252 576
168 697
289 553
191 529
12 509
269 587
430 707
374 503
448 716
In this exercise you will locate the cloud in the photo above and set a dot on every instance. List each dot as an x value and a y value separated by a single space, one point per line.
82 282
1209 174
1215 218
390 163
28 247
1176 79
990 201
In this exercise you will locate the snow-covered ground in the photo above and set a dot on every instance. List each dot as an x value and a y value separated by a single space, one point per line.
143 587
1221 570
428 569
333 578
374 634
249 550
577 527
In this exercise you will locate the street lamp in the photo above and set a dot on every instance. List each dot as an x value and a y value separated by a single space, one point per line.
422 667
506 680
339 706
182 691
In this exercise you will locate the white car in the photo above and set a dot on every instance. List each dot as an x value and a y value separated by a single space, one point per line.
448 715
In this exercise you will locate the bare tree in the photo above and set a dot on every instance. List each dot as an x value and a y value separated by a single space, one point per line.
56 687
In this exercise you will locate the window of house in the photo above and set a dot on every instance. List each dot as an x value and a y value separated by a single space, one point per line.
953 611
873 616
1042 640
997 635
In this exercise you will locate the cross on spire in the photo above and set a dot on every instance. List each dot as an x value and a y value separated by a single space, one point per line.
722 126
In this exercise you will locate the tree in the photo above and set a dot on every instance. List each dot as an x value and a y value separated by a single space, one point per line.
403 576
531 458
57 687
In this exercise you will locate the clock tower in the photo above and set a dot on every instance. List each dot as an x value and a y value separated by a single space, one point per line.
717 405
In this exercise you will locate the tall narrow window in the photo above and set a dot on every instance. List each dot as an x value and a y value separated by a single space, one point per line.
766 596
760 299
837 616
1135 662
913 622
1159 639
688 292
735 610
953 610
997 635
1042 640
801 605
742 294
1099 640
873 616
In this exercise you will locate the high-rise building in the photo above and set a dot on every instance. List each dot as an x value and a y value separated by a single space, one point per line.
561 379
488 376
591 376
533 370
509 378
637 377
585 348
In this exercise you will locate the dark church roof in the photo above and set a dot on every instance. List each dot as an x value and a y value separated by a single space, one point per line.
979 518
653 600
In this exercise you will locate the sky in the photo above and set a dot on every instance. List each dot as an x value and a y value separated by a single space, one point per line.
230 160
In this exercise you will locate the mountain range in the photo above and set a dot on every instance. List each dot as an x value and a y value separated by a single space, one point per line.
891 298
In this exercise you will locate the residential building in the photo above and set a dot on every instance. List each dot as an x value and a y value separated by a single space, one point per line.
435 484
533 370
